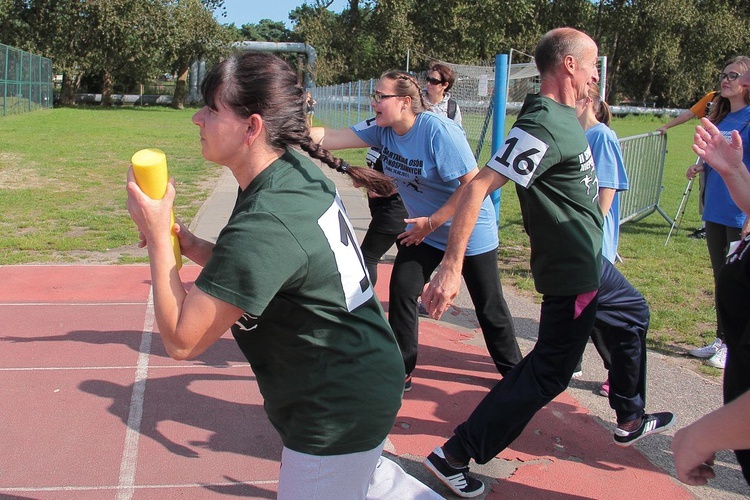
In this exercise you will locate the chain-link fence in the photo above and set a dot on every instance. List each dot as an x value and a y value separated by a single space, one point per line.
25 81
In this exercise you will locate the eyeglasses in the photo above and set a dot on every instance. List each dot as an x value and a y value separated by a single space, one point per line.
731 76
434 81
378 98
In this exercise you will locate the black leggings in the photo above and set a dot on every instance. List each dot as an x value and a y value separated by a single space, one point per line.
718 238
414 266
374 245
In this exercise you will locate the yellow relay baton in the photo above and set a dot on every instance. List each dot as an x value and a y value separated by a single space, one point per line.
152 176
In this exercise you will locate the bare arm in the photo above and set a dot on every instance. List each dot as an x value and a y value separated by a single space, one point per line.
606 196
188 322
196 249
443 288
726 158
422 226
333 139
694 446
677 120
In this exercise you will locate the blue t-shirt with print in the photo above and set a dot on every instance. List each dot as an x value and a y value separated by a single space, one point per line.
719 207
610 170
426 163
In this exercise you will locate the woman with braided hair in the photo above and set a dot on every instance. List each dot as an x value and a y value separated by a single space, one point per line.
431 161
286 276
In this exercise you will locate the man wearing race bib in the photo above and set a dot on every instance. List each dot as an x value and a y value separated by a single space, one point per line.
546 154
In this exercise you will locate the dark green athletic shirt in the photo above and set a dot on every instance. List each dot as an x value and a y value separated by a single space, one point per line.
326 360
546 154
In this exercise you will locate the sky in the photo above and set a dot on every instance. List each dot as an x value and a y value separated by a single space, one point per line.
242 12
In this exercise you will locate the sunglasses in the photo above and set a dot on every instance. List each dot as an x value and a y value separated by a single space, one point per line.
434 81
731 76
378 98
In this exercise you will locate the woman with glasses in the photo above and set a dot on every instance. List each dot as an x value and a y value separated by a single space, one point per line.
725 222
440 78
431 161
286 278
387 213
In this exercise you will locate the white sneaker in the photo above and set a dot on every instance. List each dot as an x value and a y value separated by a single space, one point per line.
718 360
707 351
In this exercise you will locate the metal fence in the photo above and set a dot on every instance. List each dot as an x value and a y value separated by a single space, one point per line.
644 156
26 81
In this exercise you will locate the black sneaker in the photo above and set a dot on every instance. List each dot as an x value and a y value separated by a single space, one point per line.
651 423
422 310
698 234
407 383
458 480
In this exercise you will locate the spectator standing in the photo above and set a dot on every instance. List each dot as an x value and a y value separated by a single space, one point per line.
725 222
310 108
697 110
727 427
440 78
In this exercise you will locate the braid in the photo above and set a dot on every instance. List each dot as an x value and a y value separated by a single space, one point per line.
368 178
414 81
407 86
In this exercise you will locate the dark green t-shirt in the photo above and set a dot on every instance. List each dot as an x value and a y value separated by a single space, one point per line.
546 154
326 360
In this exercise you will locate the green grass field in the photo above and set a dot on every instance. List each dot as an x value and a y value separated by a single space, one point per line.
62 199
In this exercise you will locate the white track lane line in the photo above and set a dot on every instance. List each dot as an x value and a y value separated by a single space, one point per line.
129 462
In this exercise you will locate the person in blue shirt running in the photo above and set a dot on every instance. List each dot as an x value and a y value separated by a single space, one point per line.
431 161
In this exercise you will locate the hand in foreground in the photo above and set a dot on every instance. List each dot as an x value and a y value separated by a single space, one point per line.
709 143
439 293
692 467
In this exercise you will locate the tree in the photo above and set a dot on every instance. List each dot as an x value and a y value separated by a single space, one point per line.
127 40
62 34
266 31
192 34
394 32
14 24
318 26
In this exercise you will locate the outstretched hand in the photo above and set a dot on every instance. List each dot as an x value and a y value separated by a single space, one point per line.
416 234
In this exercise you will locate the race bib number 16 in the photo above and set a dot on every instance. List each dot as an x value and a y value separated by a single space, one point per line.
519 157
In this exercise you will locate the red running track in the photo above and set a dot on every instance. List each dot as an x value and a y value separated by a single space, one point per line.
92 407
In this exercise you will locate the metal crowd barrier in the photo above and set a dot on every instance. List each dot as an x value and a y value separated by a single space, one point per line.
644 156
